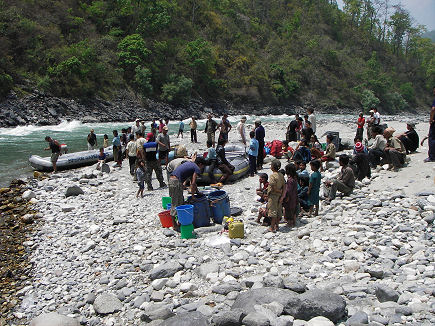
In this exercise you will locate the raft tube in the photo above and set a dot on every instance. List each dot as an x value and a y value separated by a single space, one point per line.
237 157
69 161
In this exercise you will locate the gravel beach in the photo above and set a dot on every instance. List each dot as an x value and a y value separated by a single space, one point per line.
102 258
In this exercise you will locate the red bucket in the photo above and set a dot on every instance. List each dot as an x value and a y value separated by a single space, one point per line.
166 219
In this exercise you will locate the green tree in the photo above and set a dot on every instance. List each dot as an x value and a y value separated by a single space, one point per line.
368 99
132 53
142 80
177 90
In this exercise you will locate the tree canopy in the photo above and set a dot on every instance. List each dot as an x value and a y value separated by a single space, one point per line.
257 51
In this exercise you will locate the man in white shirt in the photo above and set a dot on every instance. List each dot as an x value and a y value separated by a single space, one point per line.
241 129
312 119
135 128
377 117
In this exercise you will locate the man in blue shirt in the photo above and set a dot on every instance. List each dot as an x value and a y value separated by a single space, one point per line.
178 177
180 128
152 163
117 152
259 135
253 153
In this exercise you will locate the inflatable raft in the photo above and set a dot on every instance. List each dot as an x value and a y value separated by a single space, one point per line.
237 157
69 161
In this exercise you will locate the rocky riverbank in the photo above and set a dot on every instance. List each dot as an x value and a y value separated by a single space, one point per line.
41 109
102 258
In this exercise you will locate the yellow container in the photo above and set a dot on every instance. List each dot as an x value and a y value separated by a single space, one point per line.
236 230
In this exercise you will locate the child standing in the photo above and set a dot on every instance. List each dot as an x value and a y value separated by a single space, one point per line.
314 187
106 141
253 153
140 175
274 193
289 198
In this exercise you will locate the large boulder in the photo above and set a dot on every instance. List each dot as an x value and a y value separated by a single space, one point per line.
73 191
385 293
194 318
54 319
229 318
246 301
165 270
315 303
107 303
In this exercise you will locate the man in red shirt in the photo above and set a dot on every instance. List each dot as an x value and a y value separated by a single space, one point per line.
360 123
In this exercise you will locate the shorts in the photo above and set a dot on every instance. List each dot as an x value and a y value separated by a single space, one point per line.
54 157
141 184
163 155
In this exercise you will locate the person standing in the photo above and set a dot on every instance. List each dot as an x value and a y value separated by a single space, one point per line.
274 193
431 136
117 153
193 125
291 134
377 117
161 125
54 146
92 140
136 127
370 122
131 153
241 130
224 127
152 163
312 119
360 129
164 145
252 154
259 135
154 127
180 128
210 129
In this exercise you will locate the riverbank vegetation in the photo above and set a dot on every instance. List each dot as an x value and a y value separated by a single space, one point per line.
257 51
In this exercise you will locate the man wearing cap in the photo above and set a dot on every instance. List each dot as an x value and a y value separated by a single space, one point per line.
410 138
259 135
135 128
241 130
394 152
187 170
92 140
360 162
152 163
164 145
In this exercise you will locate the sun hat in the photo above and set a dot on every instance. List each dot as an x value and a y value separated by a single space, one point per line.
165 128
359 147
389 131
411 124
372 111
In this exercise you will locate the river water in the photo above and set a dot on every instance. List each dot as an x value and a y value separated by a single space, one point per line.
17 144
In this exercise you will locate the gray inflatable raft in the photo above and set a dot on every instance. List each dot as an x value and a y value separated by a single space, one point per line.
237 157
69 161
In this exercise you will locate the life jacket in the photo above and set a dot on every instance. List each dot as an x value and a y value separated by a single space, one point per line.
276 148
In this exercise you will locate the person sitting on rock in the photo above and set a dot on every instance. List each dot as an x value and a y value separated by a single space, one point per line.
410 138
223 164
302 152
315 148
302 169
360 162
262 190
394 152
101 158
344 183
330 149
376 150
263 213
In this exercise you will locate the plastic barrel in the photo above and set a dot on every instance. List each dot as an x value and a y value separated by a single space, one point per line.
185 214
220 205
168 206
166 219
201 210
166 201
187 231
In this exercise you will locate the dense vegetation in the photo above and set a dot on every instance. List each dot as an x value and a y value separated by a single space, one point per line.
258 51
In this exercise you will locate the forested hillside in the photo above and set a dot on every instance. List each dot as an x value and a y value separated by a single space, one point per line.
245 51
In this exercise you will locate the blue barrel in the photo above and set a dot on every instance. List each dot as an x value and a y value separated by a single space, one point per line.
185 214
201 210
220 205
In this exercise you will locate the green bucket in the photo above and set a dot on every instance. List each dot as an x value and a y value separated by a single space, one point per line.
166 201
187 231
